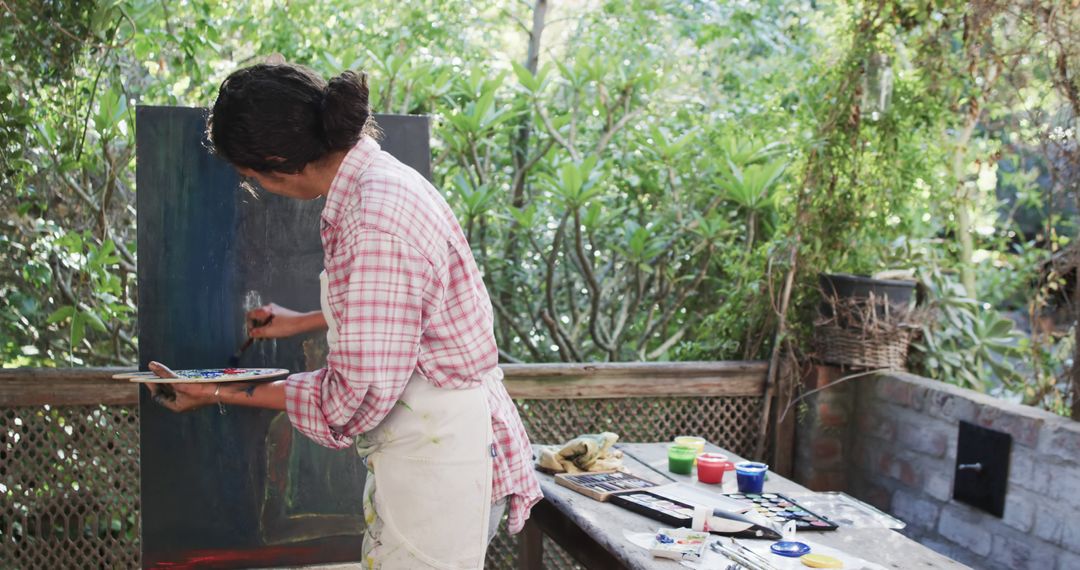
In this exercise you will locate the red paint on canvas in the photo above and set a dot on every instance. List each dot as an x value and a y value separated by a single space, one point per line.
228 558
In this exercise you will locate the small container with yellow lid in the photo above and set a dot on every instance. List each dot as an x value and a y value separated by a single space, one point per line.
697 443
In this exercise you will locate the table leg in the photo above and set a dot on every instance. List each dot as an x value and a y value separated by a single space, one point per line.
566 533
531 547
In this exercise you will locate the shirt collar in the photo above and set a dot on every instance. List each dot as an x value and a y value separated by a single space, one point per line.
344 185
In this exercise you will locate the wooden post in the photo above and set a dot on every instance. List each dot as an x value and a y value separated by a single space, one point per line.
531 547
784 432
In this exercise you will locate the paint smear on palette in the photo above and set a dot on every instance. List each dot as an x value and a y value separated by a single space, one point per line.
200 375
207 373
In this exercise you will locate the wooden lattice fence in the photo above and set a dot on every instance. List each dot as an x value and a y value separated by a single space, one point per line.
69 452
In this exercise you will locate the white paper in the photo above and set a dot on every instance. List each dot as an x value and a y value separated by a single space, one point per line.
713 560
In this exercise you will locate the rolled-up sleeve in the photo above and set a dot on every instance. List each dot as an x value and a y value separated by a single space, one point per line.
380 291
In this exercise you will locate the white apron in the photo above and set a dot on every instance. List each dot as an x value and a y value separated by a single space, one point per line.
427 499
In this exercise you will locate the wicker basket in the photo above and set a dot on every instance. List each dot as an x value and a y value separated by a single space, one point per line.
858 348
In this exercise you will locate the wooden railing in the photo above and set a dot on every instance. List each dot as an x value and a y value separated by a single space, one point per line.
635 380
69 469
84 386
86 423
65 387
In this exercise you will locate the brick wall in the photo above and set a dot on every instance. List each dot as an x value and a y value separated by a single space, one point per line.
824 432
896 436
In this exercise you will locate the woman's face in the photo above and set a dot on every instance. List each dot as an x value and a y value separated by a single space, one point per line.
288 185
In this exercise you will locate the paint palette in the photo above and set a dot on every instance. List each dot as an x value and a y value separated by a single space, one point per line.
679 544
779 509
205 375
603 484
672 513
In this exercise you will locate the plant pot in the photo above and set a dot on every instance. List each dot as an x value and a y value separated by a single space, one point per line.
896 293
853 348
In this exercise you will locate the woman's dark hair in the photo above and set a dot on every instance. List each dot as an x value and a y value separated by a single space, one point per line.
279 118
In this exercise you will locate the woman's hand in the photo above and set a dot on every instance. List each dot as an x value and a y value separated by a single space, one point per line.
281 322
179 397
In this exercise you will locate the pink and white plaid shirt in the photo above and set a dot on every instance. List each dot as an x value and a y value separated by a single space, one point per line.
407 295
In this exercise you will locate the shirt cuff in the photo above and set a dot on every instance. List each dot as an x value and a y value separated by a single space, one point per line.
303 403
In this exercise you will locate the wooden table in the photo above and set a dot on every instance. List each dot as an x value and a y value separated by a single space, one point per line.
593 532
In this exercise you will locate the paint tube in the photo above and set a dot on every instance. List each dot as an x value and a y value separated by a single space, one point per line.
730 523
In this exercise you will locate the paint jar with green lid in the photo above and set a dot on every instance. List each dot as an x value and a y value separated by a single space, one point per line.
680 458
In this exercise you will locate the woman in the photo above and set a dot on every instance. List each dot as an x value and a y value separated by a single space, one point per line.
411 378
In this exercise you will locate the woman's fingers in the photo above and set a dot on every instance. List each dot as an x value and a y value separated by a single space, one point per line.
180 397
163 394
161 371
261 313
264 331
271 327
259 319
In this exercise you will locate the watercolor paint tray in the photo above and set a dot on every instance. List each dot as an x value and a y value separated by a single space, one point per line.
847 511
779 509
205 375
676 514
601 485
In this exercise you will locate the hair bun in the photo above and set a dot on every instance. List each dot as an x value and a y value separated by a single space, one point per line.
345 110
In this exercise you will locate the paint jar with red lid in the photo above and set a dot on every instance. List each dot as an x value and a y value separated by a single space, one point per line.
711 467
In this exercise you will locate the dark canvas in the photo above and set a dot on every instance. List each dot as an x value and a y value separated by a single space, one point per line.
243 489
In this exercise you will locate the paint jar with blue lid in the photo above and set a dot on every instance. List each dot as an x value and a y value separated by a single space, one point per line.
751 476
790 549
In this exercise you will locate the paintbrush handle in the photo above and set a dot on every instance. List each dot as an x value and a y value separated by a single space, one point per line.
255 323
243 347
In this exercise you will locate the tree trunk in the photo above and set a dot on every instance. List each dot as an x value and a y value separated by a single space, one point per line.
524 131
520 149
1075 372
1069 88
963 207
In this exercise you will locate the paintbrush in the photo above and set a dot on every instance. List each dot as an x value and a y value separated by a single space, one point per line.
234 360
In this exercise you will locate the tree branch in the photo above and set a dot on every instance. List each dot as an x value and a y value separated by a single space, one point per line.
597 335
670 342
606 137
555 134
683 295
548 316
509 319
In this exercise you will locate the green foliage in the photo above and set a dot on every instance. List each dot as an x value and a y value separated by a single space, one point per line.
66 164
968 342
633 193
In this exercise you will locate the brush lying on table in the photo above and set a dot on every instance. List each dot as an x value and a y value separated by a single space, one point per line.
742 555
